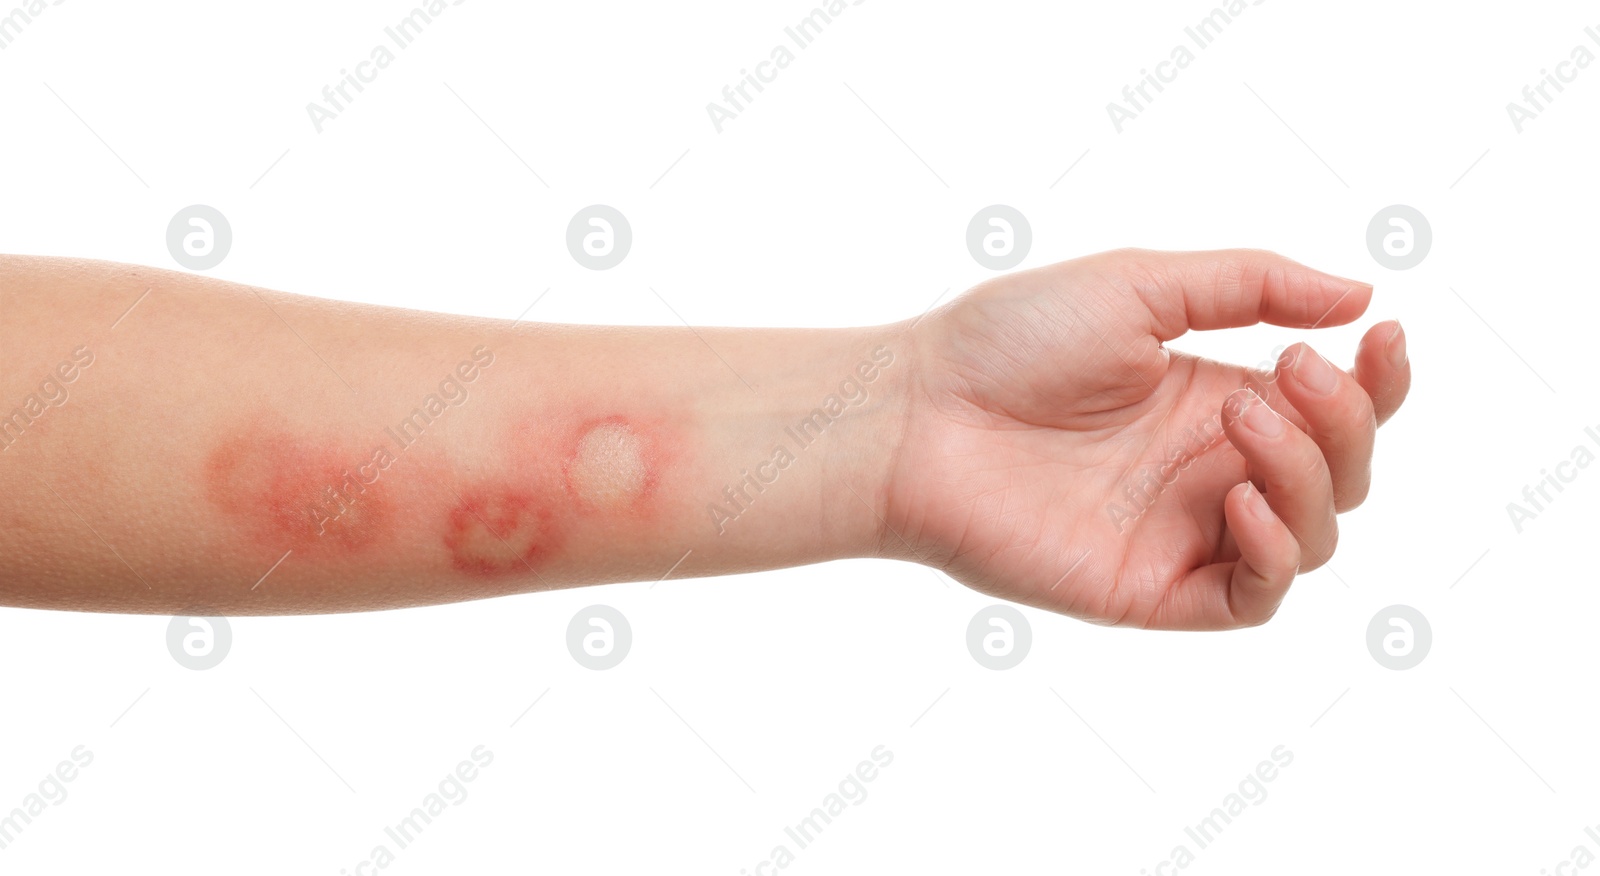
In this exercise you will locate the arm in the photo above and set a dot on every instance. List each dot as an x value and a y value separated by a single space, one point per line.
376 457
1035 438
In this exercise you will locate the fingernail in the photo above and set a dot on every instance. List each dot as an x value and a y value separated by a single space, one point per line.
1397 347
1313 371
1356 285
1256 415
1256 503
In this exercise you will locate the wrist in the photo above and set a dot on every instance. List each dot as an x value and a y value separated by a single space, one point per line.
871 385
794 456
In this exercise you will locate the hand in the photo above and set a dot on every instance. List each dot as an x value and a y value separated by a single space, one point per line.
1056 453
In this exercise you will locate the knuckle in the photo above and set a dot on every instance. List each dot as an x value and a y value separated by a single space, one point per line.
1259 618
1353 491
1309 466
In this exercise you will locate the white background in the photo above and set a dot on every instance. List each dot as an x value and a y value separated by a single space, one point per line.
841 197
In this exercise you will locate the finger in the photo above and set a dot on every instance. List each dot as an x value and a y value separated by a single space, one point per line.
1269 557
1383 369
1291 470
1236 287
1338 416
1244 592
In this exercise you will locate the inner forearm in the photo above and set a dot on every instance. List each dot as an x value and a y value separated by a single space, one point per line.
372 457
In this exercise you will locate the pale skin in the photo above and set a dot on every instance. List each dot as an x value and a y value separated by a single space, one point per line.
220 449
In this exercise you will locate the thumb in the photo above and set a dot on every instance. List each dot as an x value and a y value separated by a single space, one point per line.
1230 288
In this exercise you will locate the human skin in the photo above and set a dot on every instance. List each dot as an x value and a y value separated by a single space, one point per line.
205 447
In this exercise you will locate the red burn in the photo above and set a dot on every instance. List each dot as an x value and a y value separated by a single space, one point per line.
294 493
498 532
650 449
574 465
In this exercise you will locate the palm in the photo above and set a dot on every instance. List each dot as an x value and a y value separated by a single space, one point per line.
1098 519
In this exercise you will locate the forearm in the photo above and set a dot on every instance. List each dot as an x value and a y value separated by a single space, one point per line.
374 457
